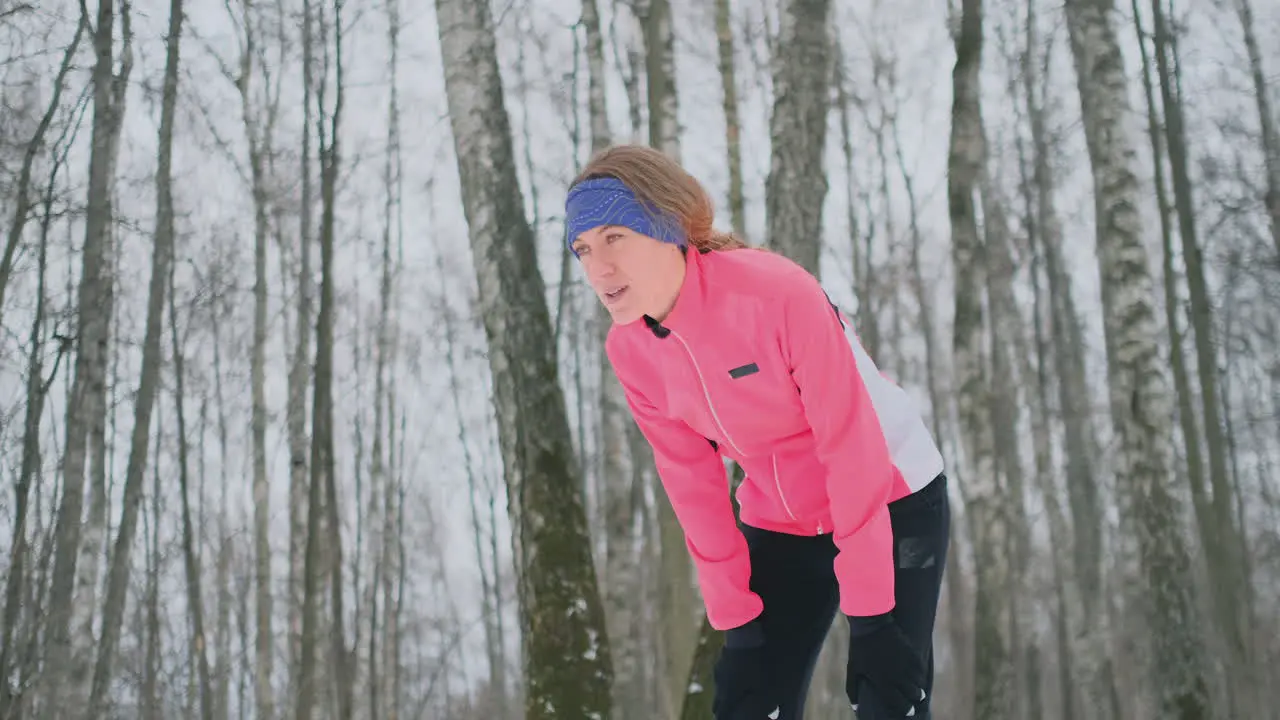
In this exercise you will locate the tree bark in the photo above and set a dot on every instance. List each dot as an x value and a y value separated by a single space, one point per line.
985 496
1083 626
60 684
11 698
161 257
150 619
259 145
1140 404
797 184
1008 344
299 376
660 73
1225 549
322 455
733 127
190 561
324 554
567 664
864 281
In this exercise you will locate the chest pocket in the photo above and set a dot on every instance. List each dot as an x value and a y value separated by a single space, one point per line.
756 399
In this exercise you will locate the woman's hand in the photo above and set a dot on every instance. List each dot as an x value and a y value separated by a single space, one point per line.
744 681
881 654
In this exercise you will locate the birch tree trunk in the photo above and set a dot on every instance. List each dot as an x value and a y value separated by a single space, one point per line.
258 139
567 664
984 496
325 560
1008 344
660 73
1187 416
299 376
61 684
135 474
1066 610
1140 403
190 561
149 610
381 661
1225 551
860 242
797 184
623 600
11 697
1065 357
733 127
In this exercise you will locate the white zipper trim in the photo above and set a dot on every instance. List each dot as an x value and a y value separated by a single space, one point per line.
707 394
777 482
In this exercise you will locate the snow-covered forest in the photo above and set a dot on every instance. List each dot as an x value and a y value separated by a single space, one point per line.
303 406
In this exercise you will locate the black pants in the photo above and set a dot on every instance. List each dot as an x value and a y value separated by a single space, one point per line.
795 578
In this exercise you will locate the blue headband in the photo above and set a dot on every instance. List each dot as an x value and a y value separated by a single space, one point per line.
608 201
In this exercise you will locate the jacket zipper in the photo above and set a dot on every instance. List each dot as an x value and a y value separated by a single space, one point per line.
707 394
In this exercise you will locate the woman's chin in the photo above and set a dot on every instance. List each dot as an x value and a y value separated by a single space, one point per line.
623 313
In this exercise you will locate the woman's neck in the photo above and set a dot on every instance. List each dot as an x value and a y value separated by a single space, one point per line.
666 301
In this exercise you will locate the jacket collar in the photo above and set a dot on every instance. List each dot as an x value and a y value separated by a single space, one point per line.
686 311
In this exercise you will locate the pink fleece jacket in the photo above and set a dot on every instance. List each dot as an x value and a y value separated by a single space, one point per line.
755 358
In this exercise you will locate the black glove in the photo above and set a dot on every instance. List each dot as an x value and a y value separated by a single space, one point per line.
744 688
881 654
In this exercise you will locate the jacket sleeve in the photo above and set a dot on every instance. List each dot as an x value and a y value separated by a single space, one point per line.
850 444
696 484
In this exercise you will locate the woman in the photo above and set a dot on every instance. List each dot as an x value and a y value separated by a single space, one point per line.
725 350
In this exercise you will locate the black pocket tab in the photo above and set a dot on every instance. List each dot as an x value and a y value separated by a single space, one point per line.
745 370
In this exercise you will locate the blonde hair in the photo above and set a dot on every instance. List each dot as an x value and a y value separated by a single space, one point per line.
659 182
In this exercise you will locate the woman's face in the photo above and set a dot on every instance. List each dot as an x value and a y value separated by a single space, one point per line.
632 274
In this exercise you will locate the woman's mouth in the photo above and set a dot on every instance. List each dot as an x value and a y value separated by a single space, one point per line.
613 295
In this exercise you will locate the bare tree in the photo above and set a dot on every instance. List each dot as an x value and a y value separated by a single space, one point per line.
86 406
985 498
796 185
860 241
12 700
1140 403
567 664
300 371
1060 354
150 691
733 126
161 257
190 562
323 513
258 132
382 702
660 74
623 599
1224 548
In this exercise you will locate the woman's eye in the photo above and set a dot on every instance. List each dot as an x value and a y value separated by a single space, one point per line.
613 237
